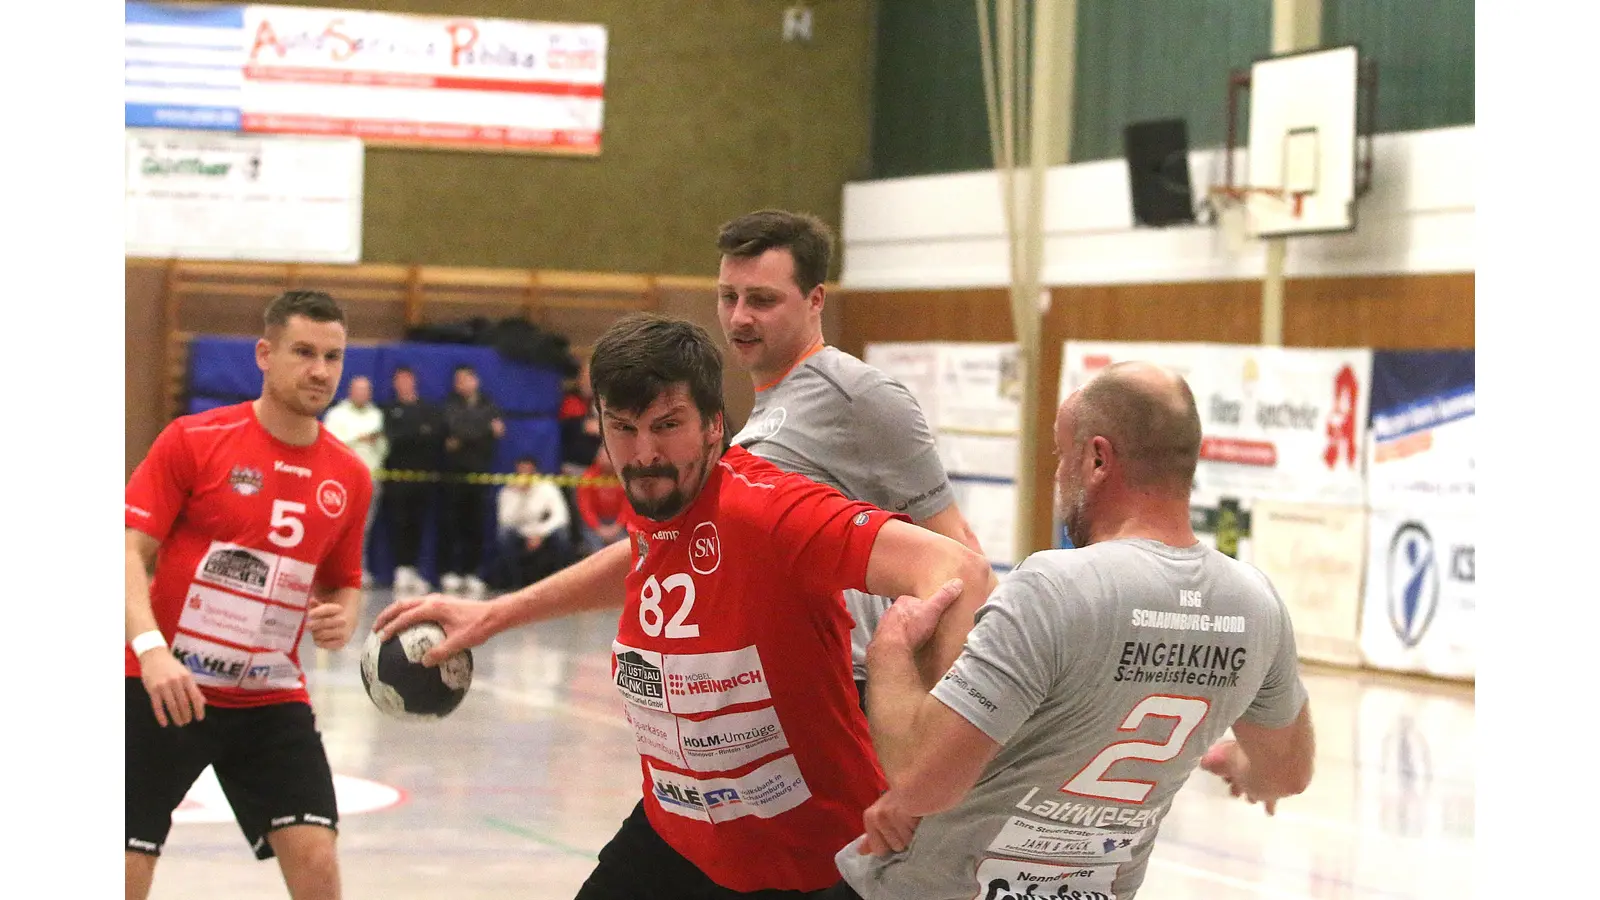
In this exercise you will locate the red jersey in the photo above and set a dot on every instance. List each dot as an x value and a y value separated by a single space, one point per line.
247 524
600 504
733 659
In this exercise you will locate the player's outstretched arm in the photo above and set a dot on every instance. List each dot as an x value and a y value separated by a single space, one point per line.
1264 765
910 560
174 697
590 584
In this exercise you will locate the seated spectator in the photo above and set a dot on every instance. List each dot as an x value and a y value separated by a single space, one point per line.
532 518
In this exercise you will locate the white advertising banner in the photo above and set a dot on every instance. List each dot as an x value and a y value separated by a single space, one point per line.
1315 556
1420 613
214 195
970 394
1278 423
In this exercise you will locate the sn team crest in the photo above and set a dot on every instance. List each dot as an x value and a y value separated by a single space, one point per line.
245 480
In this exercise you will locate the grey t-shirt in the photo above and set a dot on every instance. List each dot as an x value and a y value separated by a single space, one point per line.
841 422
1105 672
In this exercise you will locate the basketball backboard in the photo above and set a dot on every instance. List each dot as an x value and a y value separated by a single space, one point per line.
1302 148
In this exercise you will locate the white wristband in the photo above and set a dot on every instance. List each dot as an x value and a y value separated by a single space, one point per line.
147 641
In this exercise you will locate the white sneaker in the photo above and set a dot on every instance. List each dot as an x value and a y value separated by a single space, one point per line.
475 588
452 583
406 580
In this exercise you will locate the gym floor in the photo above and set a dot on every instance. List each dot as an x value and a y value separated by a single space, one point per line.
515 793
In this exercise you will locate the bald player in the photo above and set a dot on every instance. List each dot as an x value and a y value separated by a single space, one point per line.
818 410
1091 686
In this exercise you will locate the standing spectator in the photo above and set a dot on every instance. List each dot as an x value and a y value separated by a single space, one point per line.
358 422
415 429
580 437
473 426
600 505
532 518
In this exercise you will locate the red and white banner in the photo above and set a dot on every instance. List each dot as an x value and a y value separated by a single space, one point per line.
462 82
1278 423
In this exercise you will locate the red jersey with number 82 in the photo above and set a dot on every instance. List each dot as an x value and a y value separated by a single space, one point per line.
247 525
733 659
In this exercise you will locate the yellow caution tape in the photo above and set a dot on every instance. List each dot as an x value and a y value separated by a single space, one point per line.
492 478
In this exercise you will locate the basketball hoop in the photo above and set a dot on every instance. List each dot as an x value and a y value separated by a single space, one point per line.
1232 209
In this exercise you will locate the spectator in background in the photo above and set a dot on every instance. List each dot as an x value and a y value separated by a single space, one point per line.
473 426
415 429
532 517
358 422
580 437
600 505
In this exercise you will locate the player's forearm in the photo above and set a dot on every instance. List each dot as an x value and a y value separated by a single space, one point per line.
138 617
590 584
895 692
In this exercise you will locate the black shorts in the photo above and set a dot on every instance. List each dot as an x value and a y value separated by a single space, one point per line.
268 759
637 864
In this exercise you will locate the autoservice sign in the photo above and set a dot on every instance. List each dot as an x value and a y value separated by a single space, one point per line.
458 82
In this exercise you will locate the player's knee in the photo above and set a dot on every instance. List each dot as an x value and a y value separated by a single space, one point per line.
310 861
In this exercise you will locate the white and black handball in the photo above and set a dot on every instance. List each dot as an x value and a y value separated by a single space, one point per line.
401 686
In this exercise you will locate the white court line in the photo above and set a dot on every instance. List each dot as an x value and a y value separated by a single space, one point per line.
561 706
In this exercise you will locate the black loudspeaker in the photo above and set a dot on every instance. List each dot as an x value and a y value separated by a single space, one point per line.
1158 172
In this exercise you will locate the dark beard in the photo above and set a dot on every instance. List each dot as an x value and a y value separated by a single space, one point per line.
661 508
1077 521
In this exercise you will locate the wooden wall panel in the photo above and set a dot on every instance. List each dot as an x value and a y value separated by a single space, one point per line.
1387 312
144 384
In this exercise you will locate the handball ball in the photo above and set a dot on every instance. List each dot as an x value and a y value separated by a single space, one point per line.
401 686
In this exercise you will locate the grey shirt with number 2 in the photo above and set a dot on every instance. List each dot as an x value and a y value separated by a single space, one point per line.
841 422
1105 673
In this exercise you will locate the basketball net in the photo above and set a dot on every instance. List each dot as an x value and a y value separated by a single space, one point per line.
1233 210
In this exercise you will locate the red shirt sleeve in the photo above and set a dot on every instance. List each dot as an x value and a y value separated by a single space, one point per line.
341 568
160 485
820 537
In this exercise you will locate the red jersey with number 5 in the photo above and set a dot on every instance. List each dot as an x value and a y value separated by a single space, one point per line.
733 657
247 525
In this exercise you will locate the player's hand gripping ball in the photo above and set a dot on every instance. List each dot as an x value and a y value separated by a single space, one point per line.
401 686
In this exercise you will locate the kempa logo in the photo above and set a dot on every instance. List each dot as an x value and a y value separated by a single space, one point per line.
1413 583
279 465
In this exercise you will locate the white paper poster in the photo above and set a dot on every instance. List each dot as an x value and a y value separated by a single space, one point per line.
1315 557
212 195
